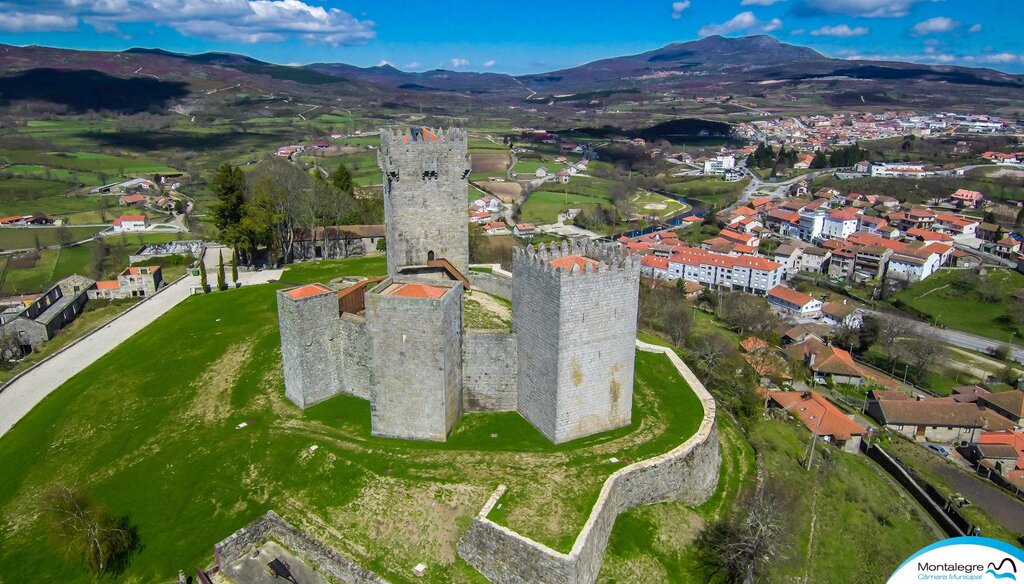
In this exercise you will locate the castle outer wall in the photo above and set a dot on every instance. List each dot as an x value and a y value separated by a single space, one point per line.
425 204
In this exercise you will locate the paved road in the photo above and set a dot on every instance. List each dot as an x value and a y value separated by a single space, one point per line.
18 398
958 338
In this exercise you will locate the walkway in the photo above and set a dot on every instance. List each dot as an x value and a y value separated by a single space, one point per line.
18 398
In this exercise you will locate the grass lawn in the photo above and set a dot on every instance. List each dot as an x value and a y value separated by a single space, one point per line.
965 311
160 446
87 161
24 280
713 191
28 189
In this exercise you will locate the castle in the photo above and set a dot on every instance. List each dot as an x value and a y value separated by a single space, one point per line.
401 343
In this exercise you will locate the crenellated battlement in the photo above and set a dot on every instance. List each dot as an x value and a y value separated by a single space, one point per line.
577 258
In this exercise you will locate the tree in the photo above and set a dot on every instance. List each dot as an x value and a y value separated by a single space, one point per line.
342 178
890 331
710 350
64 235
37 243
820 160
86 531
1015 313
202 276
228 184
220 271
922 350
678 322
234 269
740 547
748 314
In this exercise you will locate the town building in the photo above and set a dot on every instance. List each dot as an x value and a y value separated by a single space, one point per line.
794 301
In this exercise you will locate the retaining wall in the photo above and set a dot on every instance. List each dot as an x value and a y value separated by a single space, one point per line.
320 557
497 283
687 473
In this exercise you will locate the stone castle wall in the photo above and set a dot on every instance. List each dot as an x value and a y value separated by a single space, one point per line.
320 557
687 473
489 372
576 376
498 283
416 363
309 347
353 351
425 181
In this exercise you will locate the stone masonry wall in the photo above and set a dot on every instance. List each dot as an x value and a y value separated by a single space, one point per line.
318 556
496 284
576 377
416 362
489 372
353 349
688 473
425 196
535 320
309 339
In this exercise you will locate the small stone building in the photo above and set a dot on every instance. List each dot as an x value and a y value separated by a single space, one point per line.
45 316
133 282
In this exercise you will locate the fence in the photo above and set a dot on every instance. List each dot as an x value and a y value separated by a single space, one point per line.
942 510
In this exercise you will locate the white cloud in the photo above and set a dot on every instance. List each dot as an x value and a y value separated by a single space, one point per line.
248 21
383 62
678 8
862 8
1002 58
490 63
974 28
742 22
840 30
456 63
937 24
760 2
21 22
412 65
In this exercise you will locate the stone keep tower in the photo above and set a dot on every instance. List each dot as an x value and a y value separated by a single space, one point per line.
415 329
425 172
308 318
574 310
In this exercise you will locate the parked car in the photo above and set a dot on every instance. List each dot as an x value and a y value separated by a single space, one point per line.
941 451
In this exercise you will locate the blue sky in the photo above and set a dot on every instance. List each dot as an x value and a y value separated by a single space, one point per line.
520 37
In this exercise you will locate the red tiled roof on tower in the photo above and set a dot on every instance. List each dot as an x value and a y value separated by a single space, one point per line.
567 263
415 291
308 290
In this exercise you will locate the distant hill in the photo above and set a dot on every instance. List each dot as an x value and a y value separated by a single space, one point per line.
716 65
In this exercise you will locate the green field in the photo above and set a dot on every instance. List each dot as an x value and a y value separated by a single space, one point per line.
31 237
160 446
714 191
86 161
950 307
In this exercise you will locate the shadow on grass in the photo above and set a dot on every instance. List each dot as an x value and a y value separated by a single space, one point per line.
83 91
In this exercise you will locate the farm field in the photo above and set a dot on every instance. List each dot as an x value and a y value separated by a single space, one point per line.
86 161
31 237
940 300
712 191
175 419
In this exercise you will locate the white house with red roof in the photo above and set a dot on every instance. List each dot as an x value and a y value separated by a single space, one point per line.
126 223
654 267
743 273
794 301
840 223
955 225
966 198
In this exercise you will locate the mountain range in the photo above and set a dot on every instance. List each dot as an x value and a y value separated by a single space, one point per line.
753 65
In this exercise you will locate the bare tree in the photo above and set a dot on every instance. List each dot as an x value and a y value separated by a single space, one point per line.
86 531
710 350
678 322
921 349
747 313
891 331
740 548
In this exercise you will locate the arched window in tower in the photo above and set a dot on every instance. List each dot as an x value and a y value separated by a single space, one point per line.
430 256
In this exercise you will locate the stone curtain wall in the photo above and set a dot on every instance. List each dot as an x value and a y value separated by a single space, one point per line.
416 360
321 558
498 283
353 348
425 182
687 473
489 372
309 340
